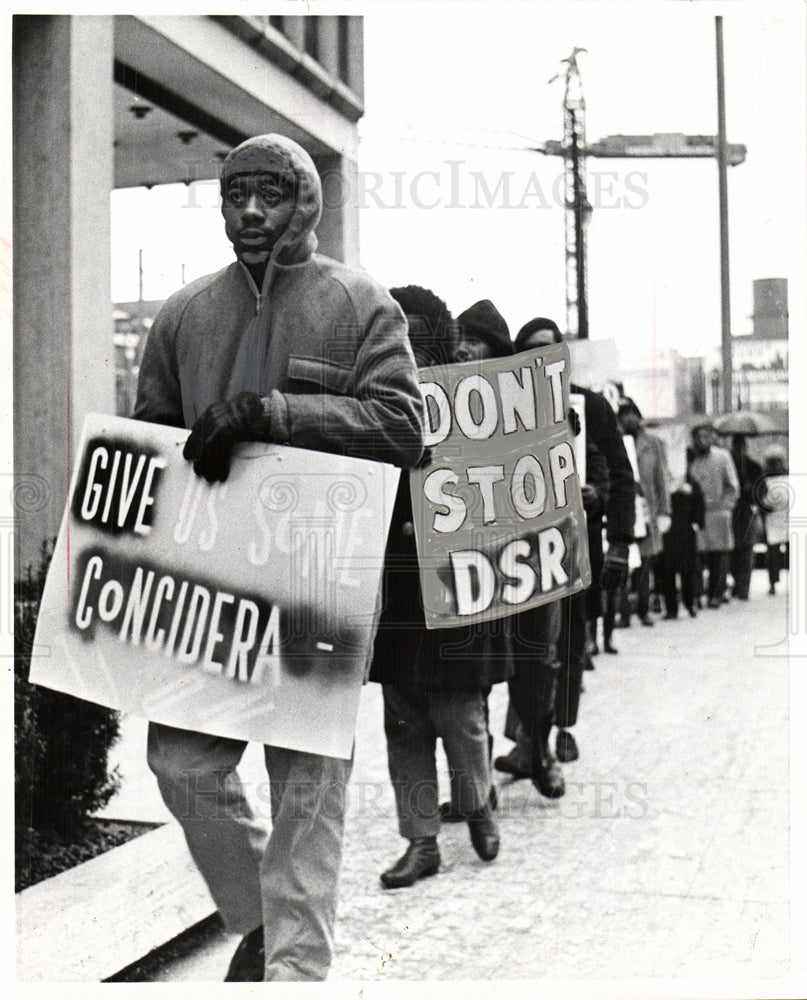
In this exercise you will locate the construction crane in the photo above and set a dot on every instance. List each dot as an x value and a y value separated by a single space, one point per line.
574 150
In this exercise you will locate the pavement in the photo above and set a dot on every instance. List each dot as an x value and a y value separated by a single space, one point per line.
664 870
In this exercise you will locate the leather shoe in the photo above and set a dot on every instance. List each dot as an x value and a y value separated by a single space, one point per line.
420 859
484 835
647 621
449 813
513 764
566 747
248 961
546 773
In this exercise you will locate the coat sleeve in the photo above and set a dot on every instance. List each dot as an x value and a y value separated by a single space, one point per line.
602 426
731 484
662 478
382 418
159 396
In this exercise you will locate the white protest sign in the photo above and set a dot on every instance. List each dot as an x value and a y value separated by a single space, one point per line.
498 511
243 609
577 402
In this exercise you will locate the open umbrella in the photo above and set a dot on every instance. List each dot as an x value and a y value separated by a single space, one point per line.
746 422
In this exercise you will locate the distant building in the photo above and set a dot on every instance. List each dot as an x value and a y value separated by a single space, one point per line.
133 320
759 359
664 384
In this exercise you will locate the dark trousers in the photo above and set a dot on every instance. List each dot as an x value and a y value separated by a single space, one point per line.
774 562
572 655
717 564
535 669
643 586
673 564
742 562
413 720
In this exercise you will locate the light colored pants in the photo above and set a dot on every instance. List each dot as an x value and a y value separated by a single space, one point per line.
412 721
288 880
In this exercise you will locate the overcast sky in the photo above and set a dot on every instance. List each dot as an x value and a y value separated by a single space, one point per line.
453 94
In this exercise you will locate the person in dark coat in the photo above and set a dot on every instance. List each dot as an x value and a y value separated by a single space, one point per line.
545 689
744 519
680 556
595 491
435 682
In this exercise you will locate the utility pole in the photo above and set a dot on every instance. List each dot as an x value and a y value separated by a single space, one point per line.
667 145
576 206
722 175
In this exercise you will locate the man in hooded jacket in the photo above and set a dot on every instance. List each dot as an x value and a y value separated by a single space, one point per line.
290 347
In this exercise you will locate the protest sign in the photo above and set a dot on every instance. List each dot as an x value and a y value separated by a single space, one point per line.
498 511
242 609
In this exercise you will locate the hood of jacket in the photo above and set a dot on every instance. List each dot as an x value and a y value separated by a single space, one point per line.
484 321
276 154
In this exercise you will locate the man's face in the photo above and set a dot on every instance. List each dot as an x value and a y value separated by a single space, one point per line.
257 211
471 348
702 440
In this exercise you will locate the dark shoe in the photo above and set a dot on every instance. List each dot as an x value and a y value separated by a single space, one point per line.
484 835
671 616
772 590
589 664
513 764
692 613
647 621
248 961
450 814
546 773
714 603
420 859
609 647
566 747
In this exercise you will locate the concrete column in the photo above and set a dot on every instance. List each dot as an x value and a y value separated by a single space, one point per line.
294 30
63 176
329 44
338 231
356 56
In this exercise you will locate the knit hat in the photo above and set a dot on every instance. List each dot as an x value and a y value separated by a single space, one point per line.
533 326
484 321
290 164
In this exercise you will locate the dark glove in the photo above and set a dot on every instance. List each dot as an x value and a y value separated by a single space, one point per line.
217 430
615 566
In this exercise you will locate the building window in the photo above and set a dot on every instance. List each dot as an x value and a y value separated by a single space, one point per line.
312 36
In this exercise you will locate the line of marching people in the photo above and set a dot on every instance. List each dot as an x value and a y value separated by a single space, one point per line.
436 682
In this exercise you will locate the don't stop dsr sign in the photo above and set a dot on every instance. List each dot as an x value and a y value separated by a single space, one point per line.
498 510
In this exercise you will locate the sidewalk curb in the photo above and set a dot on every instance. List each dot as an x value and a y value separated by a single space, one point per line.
93 920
